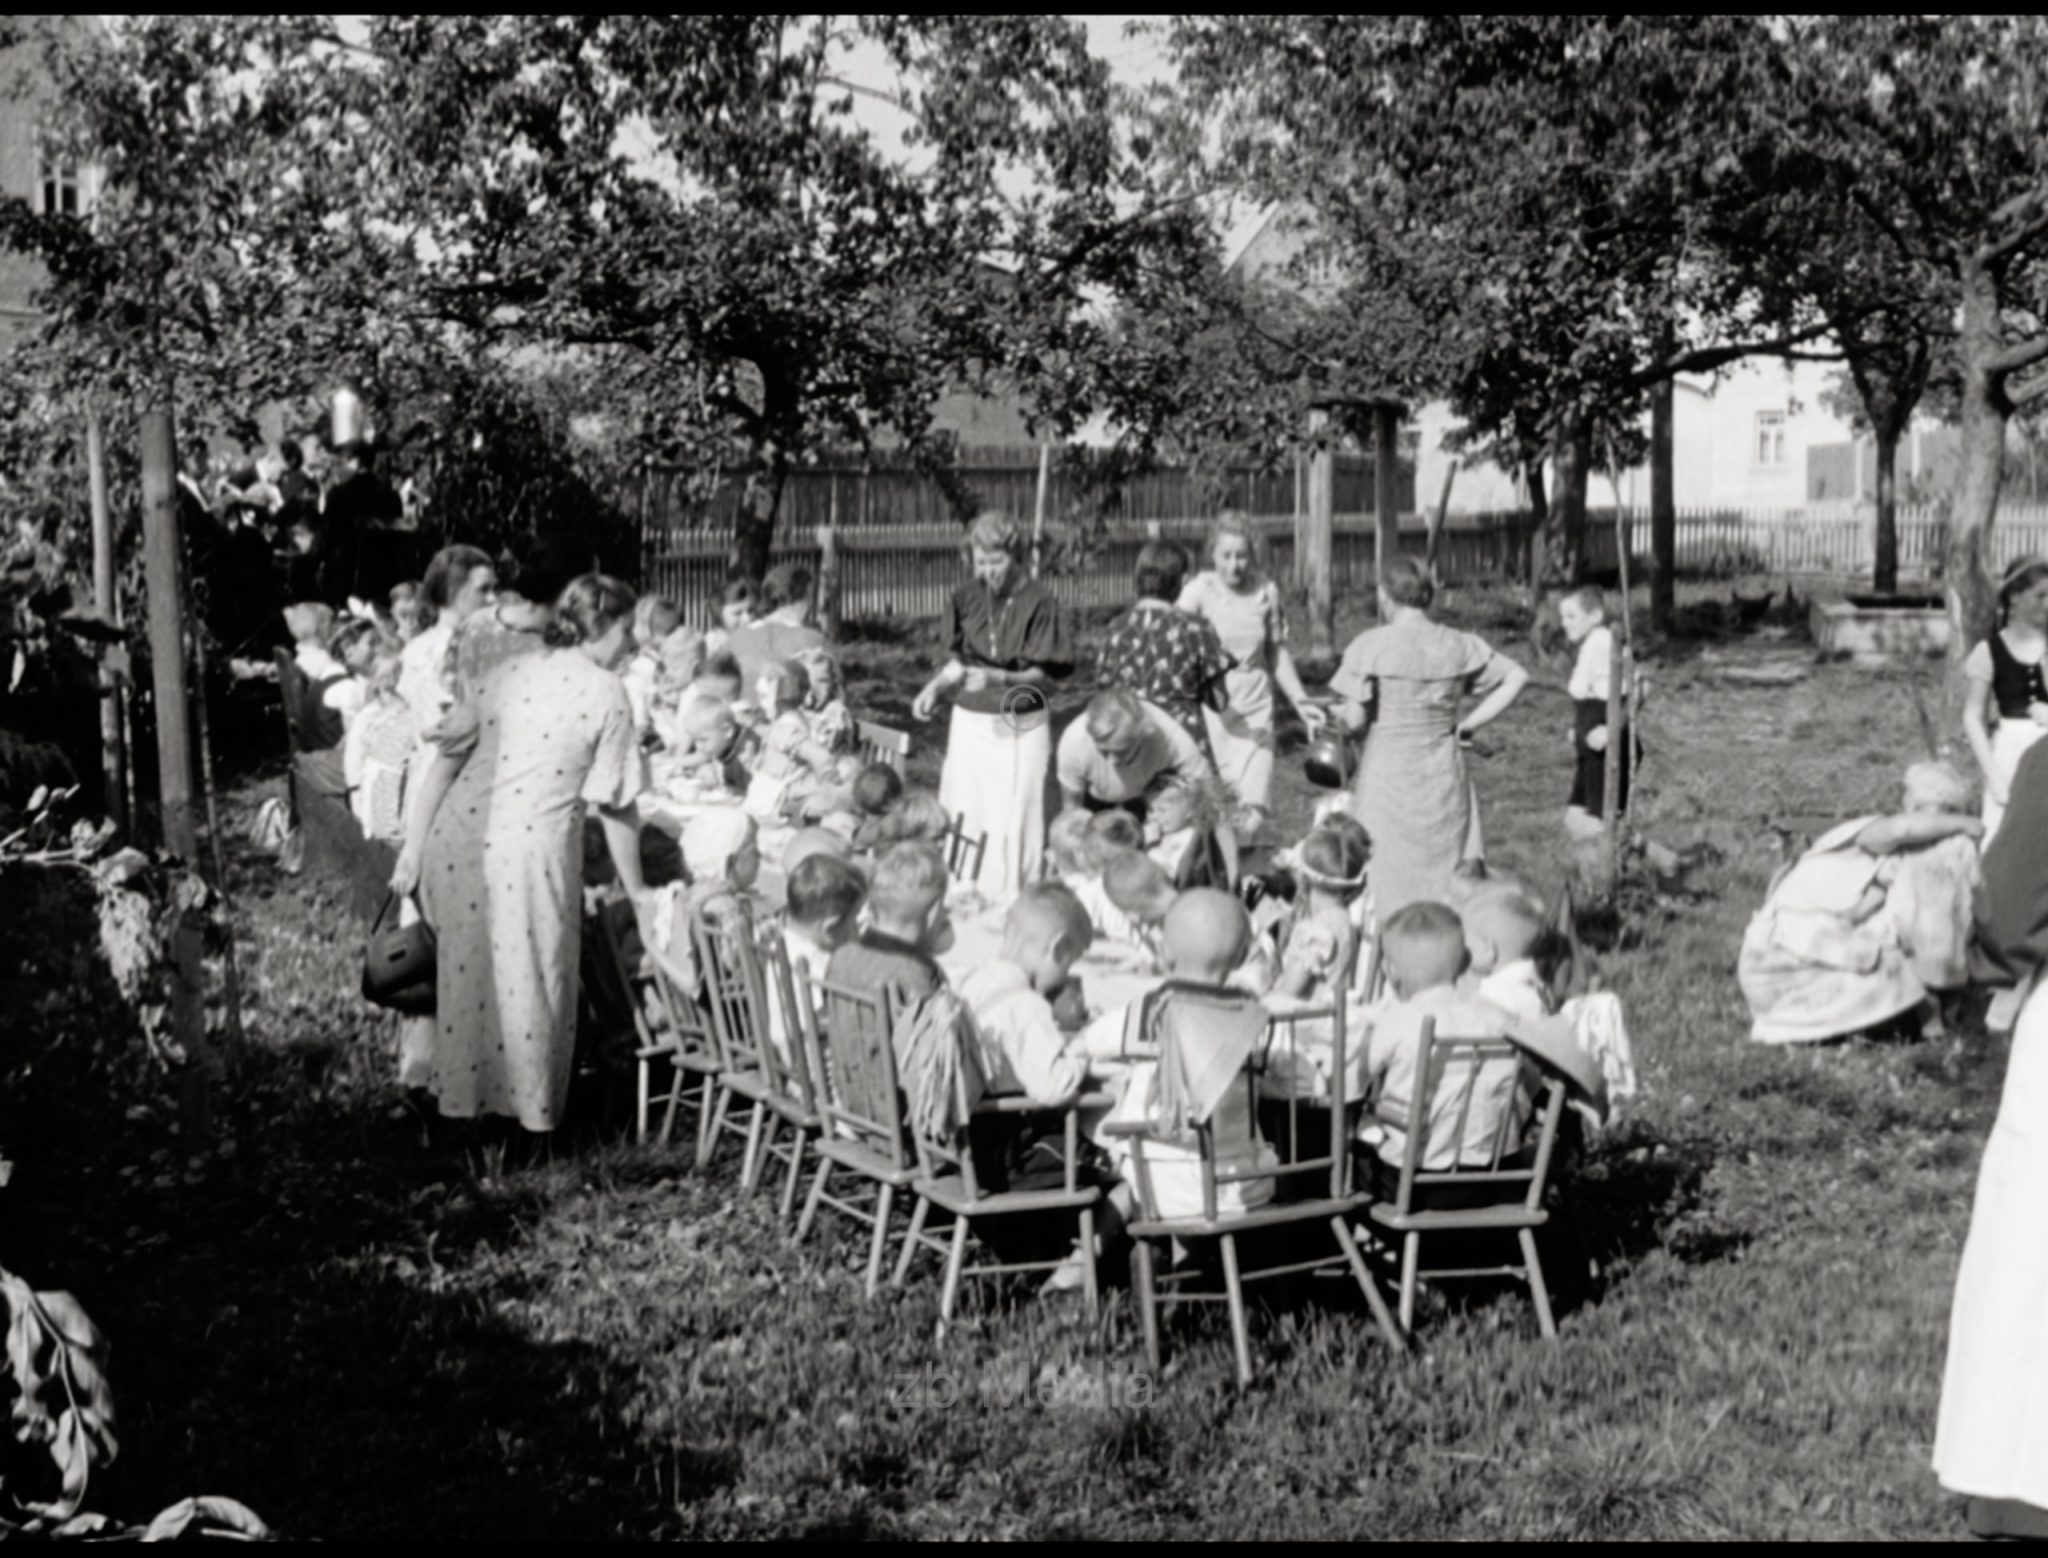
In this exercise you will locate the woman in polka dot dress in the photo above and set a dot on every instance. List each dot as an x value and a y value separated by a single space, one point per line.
496 849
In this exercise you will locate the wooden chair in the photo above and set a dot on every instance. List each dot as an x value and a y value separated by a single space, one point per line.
861 1107
882 744
1453 1076
689 1049
792 1069
755 1075
964 851
947 1179
1319 1182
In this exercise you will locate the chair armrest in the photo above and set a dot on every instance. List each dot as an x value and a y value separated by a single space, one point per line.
1124 1128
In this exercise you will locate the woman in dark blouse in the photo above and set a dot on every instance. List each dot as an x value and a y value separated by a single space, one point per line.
1008 641
1169 657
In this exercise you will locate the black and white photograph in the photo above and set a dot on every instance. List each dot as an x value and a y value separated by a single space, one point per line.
917 777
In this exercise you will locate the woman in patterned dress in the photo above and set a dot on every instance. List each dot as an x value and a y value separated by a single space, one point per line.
1007 639
496 849
1246 610
1410 677
1169 657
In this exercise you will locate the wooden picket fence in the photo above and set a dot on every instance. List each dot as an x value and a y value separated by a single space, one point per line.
908 571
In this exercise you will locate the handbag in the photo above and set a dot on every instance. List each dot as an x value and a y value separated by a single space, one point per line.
398 964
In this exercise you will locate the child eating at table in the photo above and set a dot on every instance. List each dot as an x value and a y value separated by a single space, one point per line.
1319 943
1022 1047
825 702
722 858
821 915
1142 894
654 618
792 768
1504 930
1424 946
1204 1033
735 611
907 928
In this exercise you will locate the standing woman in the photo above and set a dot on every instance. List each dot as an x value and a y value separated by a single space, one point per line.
1169 657
2006 680
496 849
1409 678
1008 640
1245 608
460 582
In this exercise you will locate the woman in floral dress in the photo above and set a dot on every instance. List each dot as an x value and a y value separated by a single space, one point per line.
1169 657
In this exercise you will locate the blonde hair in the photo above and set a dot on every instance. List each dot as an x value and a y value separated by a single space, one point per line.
996 532
1232 522
1940 785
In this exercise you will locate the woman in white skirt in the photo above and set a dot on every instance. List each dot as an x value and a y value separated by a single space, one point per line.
1245 608
1991 1442
1007 639
2006 711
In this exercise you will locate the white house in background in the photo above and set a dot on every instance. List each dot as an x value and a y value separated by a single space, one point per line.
28 172
1740 437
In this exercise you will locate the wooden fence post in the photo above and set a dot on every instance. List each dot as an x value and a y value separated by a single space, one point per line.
1313 551
829 583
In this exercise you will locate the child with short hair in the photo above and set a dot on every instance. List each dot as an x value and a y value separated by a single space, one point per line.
792 768
700 758
1142 894
907 814
378 749
821 915
1319 942
1022 1047
907 928
722 860
1206 1032
1426 955
1504 930
407 613
654 618
825 707
1583 615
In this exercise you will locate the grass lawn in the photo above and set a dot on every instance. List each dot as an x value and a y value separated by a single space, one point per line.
363 1338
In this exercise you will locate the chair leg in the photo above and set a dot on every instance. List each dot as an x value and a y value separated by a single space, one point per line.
879 1245
1368 1285
814 1199
956 1262
1147 1299
1091 1280
675 1102
758 1128
796 1169
918 1214
642 1100
710 1116
1537 1288
1240 1331
1411 1255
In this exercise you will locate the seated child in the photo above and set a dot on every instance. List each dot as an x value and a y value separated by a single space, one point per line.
913 816
1426 955
907 928
822 914
355 644
703 765
654 618
1319 943
793 768
1141 894
406 611
1022 1047
876 790
722 858
1504 929
806 842
1207 1033
825 701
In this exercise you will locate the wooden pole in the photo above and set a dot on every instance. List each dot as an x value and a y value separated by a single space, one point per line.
114 660
829 583
1038 511
1617 675
1313 561
1443 513
1386 429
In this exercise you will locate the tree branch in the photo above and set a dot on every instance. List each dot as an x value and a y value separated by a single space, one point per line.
2014 358
1992 253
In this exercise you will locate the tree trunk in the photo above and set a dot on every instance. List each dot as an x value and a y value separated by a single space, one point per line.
1433 545
1972 601
1314 555
114 659
1564 551
753 536
1527 565
1884 565
1663 511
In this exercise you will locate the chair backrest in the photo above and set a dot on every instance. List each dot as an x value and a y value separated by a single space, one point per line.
882 744
963 850
617 929
1226 1138
799 1057
857 1061
1314 1143
944 1148
1456 1076
736 993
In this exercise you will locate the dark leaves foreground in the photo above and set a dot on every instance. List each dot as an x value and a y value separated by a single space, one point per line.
362 1337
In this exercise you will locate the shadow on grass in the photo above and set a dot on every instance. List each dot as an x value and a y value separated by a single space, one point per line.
289 1312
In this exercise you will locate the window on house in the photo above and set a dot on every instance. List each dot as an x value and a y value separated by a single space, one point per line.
1770 438
60 186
